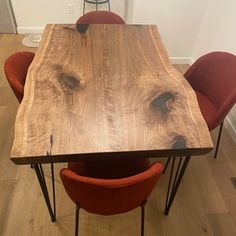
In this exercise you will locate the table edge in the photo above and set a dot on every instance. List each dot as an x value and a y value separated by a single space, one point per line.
82 156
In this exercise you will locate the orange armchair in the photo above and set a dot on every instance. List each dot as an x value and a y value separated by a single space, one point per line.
213 77
16 67
109 187
100 17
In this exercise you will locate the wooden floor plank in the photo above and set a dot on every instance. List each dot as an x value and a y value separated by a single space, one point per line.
222 224
7 189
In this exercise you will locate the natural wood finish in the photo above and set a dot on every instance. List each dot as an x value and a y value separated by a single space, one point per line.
204 208
107 91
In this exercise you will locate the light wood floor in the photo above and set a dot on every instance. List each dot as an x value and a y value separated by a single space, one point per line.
204 205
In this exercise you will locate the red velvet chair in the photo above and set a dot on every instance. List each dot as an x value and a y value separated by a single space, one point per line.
16 67
213 77
109 187
100 17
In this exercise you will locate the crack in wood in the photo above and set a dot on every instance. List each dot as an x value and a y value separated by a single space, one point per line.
49 153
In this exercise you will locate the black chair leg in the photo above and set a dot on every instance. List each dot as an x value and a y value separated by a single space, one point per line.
77 220
84 7
97 3
143 216
218 139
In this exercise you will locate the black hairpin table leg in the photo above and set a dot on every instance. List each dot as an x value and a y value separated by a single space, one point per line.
166 165
53 189
174 185
40 175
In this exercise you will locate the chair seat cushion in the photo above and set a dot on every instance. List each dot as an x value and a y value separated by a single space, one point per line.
208 109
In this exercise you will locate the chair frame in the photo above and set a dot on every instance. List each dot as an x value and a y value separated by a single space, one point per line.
218 139
97 2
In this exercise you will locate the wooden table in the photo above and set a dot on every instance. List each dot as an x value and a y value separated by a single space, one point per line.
108 90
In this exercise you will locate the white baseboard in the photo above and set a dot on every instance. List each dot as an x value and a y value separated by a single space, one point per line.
230 128
181 60
30 30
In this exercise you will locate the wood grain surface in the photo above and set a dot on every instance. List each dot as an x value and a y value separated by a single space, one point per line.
107 90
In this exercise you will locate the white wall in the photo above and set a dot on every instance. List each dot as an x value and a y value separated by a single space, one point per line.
178 22
218 28
32 15
218 33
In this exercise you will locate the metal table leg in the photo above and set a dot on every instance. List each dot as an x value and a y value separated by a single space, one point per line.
53 189
40 175
174 185
166 165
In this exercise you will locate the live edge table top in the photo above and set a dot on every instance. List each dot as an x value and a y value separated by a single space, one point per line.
107 91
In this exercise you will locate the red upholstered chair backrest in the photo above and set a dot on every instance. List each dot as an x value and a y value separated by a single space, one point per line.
16 67
113 168
214 75
100 17
106 196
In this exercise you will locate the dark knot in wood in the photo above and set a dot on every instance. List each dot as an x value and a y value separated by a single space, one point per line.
69 81
161 101
82 28
179 142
